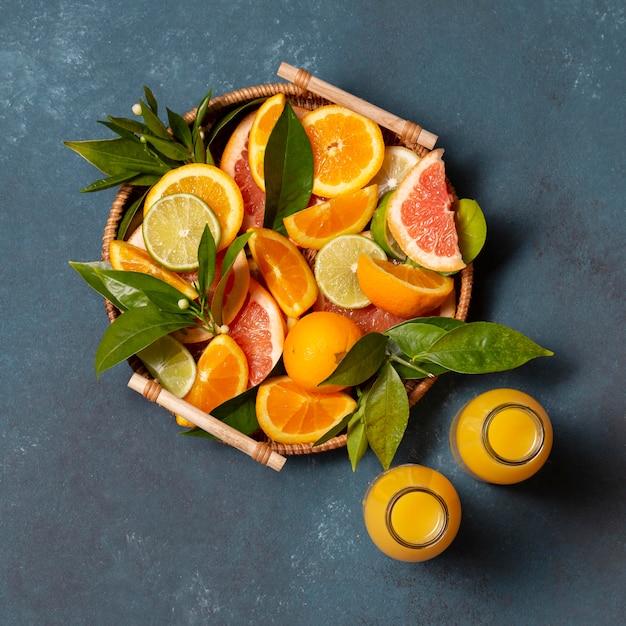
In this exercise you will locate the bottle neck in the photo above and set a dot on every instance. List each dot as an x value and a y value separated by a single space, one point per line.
513 434
417 517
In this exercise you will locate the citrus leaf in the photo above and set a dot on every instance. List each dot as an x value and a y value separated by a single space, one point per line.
288 170
223 122
124 124
130 213
361 362
207 257
483 347
154 124
357 442
133 331
170 149
386 414
151 100
88 272
180 128
117 156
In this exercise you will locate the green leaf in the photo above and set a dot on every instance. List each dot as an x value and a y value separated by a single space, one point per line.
232 252
154 124
288 170
386 414
361 362
483 347
151 100
207 257
89 273
133 331
415 338
110 181
357 442
125 125
239 412
117 156
180 128
471 228
170 149
201 111
130 213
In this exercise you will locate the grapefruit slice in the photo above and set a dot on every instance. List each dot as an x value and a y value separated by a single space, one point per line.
259 330
420 218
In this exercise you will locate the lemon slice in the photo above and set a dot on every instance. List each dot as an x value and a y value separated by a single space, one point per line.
336 265
171 364
397 162
380 230
172 229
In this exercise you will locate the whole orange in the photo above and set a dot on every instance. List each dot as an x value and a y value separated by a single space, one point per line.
314 347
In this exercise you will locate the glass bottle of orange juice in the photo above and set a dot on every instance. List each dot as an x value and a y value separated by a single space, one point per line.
411 512
503 436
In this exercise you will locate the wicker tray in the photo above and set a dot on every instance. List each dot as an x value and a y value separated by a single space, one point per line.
218 107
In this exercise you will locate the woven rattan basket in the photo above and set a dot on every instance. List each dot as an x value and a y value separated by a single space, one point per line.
218 107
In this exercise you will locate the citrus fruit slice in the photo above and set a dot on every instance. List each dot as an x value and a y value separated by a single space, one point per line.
403 290
262 126
236 164
285 271
315 345
348 149
125 256
380 232
222 374
210 184
169 362
289 414
317 225
335 269
172 229
396 164
259 330
237 285
420 218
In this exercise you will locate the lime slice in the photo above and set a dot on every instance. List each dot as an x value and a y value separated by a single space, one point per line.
380 230
171 364
335 269
172 229
397 162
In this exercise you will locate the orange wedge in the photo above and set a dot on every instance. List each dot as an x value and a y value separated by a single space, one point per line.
403 290
348 149
126 256
288 414
212 185
222 374
346 214
260 132
285 271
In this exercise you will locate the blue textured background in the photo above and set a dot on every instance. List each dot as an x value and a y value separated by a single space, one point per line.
107 516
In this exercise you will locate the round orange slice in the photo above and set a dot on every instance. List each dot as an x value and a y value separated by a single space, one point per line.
346 214
404 290
126 256
420 218
212 185
222 374
262 126
348 149
289 414
285 271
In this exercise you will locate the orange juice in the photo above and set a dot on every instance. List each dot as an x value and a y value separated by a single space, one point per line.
503 436
412 513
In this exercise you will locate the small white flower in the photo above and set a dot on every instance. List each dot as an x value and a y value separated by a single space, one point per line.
183 304
137 109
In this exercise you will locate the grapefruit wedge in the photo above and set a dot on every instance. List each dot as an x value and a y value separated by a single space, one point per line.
420 218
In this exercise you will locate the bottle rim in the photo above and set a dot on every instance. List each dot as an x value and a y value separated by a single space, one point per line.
537 444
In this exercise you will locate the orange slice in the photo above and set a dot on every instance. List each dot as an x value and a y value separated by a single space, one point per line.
210 184
403 290
259 330
348 149
420 218
285 271
222 374
346 214
289 414
126 256
260 132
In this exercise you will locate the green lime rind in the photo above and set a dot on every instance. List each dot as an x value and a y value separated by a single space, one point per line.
380 230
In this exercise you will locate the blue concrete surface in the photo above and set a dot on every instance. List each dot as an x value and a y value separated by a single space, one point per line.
108 516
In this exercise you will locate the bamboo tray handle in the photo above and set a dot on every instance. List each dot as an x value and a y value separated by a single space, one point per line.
258 450
409 132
